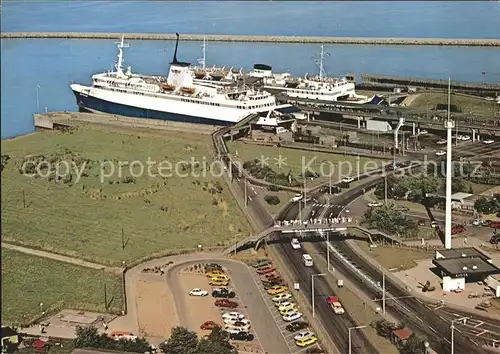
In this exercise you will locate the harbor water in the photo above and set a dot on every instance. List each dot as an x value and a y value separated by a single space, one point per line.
44 68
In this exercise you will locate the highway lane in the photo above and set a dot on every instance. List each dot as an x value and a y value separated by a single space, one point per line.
336 325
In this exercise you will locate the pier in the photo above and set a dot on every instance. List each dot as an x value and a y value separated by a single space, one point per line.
469 42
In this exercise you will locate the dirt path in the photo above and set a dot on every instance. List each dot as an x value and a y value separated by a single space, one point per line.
57 257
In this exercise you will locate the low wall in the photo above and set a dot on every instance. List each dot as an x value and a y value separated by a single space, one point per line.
262 39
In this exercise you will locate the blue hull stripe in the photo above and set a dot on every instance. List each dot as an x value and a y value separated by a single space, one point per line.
84 102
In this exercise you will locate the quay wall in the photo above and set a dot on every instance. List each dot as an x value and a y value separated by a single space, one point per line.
260 39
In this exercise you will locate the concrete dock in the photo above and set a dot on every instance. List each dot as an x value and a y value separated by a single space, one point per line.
471 42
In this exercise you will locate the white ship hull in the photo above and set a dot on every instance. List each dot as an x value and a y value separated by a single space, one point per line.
160 107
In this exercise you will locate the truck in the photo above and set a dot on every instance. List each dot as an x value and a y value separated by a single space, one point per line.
336 306
340 283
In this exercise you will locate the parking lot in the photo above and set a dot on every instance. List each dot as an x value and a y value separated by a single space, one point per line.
288 337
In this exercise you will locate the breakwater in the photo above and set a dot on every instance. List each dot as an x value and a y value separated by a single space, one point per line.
261 39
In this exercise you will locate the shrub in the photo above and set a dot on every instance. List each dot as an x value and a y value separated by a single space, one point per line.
272 199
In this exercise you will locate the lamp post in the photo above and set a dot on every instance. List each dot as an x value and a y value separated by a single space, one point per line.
41 307
452 327
312 288
350 336
426 346
328 250
37 99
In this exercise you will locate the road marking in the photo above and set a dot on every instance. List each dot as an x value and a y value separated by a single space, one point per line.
419 301
479 324
432 329
482 332
473 341
418 318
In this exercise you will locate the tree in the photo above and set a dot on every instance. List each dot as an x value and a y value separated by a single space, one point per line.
216 343
384 327
487 205
390 219
181 341
414 345
458 184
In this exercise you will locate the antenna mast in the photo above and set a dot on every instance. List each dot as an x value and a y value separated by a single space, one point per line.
320 63
204 46
119 63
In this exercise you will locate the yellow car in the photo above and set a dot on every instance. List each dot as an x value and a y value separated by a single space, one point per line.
277 289
306 341
218 282
214 273
286 306
289 310
220 277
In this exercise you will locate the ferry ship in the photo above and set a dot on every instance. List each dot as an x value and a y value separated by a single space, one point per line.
176 97
321 87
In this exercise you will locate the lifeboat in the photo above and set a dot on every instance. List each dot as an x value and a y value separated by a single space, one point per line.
189 90
167 87
200 74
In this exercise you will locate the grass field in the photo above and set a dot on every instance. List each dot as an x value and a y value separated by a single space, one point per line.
298 160
466 104
156 211
29 280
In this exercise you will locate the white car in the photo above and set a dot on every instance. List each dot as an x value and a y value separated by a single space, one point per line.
289 317
423 132
465 137
282 296
297 197
235 315
198 292
233 320
295 244
440 153
477 222
441 142
242 327
235 330
488 141
374 204
348 180
281 302
303 335
434 224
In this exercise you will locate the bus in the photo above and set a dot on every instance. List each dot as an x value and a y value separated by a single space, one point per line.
308 261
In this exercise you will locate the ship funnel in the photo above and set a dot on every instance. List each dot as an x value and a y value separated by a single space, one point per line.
174 61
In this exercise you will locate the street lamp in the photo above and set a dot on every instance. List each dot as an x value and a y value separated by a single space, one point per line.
41 307
37 99
350 336
312 287
452 327
426 346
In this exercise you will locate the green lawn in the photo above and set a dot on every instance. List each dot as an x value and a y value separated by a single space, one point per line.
85 218
29 280
464 103
296 161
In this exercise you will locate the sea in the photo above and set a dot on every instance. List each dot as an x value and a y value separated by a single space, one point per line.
36 73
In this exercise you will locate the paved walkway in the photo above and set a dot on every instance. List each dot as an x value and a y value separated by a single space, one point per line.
55 256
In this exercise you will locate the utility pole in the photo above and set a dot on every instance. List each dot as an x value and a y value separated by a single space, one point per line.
123 240
24 200
357 165
246 197
385 188
383 291
452 327
328 250
305 191
330 184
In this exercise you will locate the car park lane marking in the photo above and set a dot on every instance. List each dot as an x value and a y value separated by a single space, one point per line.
287 336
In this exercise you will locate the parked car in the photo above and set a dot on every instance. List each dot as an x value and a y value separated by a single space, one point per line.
421 223
209 325
476 222
234 330
374 204
457 229
292 309
237 322
488 141
198 292
348 180
440 153
266 269
434 224
287 305
303 335
269 285
210 267
495 224
261 263
315 351
282 296
289 317
495 239
296 326
270 276
277 289
232 315
226 303
441 142
306 342
214 273
223 292
242 335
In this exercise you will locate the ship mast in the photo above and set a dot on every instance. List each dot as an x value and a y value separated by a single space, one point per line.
119 63
320 63
202 60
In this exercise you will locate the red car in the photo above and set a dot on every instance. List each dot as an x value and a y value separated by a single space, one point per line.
266 270
270 276
226 303
457 229
495 224
209 325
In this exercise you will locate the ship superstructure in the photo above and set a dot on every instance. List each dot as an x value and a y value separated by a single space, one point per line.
320 87
175 97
